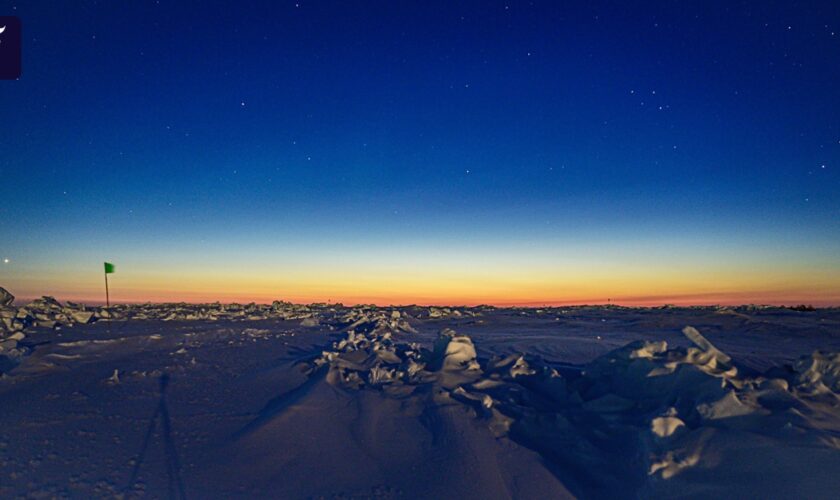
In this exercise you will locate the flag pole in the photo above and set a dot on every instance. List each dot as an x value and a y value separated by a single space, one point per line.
107 295
109 268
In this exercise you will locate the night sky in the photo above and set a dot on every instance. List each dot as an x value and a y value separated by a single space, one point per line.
428 152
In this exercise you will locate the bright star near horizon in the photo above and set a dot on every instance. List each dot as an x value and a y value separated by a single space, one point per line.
6 261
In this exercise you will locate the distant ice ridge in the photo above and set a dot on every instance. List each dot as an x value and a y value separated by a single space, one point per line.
47 312
659 419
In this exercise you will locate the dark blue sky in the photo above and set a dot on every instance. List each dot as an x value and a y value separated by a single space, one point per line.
208 130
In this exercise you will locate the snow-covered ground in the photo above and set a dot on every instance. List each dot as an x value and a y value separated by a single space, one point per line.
290 401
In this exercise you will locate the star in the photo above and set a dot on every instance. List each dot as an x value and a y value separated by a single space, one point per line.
6 261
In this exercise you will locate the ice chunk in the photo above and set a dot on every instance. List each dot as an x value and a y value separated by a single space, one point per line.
701 342
665 426
819 369
6 298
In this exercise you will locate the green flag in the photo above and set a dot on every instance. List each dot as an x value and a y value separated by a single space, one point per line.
109 268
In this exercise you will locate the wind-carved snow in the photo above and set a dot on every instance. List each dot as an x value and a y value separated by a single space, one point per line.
677 409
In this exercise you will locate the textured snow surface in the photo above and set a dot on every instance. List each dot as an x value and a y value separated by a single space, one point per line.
294 401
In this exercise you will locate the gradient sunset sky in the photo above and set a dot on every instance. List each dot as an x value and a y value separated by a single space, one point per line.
424 152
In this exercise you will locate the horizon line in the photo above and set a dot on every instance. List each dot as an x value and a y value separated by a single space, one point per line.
651 303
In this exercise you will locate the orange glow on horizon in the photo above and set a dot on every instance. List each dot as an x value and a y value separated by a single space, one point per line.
518 282
698 299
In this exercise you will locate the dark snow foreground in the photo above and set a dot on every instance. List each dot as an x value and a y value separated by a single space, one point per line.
293 401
